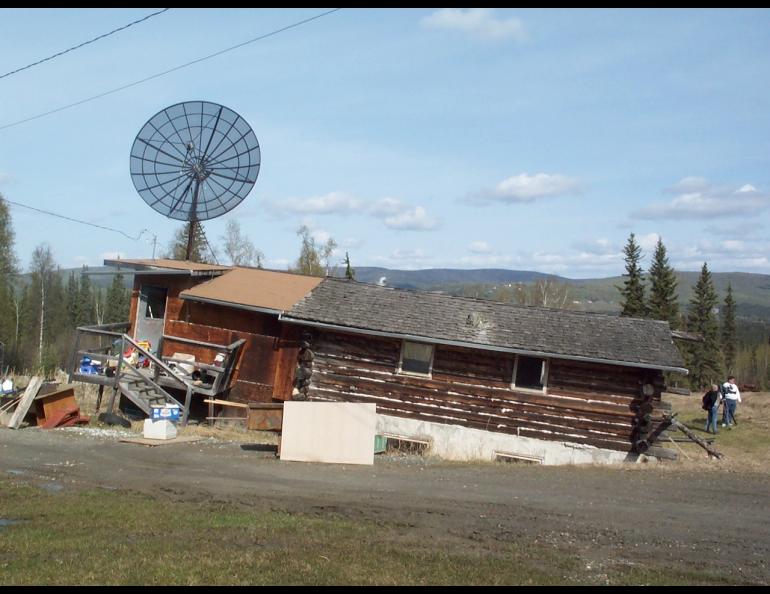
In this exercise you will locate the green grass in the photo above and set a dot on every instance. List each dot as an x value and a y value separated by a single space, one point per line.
106 537
747 445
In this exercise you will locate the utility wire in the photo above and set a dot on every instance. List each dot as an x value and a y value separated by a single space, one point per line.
159 74
53 214
149 16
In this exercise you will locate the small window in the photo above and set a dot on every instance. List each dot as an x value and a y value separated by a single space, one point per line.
529 373
155 299
416 357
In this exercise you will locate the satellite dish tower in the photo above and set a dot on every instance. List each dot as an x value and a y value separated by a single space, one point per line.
195 161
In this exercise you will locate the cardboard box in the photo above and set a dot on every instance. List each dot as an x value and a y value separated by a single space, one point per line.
170 412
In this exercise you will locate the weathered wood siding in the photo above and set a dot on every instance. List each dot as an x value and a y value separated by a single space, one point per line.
586 403
262 372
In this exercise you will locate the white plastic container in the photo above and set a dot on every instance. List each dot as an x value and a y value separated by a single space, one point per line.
159 429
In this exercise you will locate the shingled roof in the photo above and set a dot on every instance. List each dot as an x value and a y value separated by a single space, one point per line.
487 324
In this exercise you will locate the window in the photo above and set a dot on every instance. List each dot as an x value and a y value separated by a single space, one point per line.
155 302
530 373
416 357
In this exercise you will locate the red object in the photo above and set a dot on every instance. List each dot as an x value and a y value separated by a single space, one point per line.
66 418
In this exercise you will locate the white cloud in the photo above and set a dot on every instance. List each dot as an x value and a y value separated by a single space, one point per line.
480 23
411 219
527 188
386 207
331 203
647 242
6 178
394 213
599 246
697 199
479 247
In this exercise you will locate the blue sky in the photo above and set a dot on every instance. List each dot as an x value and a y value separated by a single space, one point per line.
527 139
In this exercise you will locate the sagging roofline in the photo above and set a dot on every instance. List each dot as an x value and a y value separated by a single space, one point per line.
479 346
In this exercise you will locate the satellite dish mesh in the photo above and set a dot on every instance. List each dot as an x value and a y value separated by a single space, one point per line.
195 161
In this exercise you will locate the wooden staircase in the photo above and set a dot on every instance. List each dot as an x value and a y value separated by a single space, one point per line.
141 389
145 393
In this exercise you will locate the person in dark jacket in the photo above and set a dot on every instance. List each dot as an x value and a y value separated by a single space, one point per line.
711 401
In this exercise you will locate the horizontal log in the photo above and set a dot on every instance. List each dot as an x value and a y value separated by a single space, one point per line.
488 416
478 397
462 406
486 425
575 401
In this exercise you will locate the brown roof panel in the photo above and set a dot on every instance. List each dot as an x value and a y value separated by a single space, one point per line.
162 263
254 288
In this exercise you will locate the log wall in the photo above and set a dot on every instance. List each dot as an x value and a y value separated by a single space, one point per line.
588 403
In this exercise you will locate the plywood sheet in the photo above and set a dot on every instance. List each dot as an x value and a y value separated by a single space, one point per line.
336 432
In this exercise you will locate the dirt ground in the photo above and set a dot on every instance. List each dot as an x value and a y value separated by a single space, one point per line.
716 522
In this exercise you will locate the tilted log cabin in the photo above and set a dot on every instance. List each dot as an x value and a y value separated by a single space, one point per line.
556 375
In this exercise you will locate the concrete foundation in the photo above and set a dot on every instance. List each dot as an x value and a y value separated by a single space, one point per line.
453 442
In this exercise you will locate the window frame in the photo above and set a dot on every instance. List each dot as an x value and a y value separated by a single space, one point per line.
401 371
546 368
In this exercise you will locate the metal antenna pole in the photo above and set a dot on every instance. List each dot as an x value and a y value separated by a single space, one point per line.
193 219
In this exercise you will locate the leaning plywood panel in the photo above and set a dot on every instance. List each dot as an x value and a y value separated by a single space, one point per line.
337 432
26 401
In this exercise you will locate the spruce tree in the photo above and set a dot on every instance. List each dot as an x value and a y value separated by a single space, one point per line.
8 270
632 290
86 306
350 272
728 331
117 302
704 357
72 296
663 297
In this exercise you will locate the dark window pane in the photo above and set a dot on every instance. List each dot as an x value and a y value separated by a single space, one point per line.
156 302
529 373
416 357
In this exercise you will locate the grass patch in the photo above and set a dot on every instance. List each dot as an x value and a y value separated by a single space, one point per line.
101 537
117 538
746 446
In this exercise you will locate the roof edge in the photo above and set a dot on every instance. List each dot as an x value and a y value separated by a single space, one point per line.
480 346
230 304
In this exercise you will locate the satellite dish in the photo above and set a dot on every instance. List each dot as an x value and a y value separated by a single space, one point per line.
195 161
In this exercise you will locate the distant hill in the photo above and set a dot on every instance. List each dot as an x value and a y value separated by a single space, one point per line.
751 291
436 278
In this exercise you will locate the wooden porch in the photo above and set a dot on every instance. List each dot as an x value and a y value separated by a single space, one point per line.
105 355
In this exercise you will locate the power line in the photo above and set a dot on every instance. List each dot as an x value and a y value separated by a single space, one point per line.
66 218
149 16
159 74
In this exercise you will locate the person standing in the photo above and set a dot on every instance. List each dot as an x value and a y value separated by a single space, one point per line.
711 401
732 396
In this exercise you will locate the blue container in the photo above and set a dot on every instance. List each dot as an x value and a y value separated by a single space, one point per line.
165 413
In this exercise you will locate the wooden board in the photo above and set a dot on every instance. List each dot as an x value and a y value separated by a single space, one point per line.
26 401
160 442
334 432
53 402
267 417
